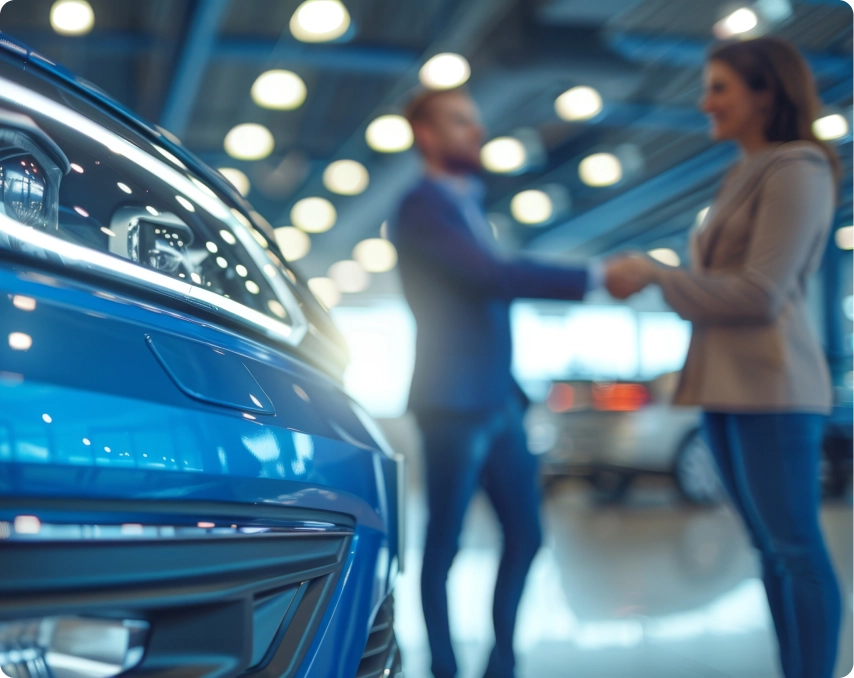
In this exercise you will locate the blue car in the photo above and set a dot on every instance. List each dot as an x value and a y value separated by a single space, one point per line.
185 490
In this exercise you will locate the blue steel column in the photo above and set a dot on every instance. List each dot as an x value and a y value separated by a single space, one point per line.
198 47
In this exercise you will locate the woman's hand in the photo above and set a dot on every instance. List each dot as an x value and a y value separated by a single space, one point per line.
629 275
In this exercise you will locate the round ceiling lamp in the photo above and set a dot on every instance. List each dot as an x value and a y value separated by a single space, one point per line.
72 17
320 21
830 127
600 169
666 256
504 155
326 291
237 179
314 215
578 103
346 177
531 207
279 90
445 71
389 134
249 141
349 276
375 255
293 242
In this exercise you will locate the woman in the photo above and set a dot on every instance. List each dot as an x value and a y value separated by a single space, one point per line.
754 364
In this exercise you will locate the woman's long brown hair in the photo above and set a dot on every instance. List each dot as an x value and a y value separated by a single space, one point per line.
777 65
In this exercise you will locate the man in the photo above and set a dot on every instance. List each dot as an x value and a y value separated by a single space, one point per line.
467 405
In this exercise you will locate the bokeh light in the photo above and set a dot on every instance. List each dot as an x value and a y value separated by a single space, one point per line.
830 127
504 155
845 238
314 215
72 17
389 134
293 242
445 71
279 90
326 291
531 207
237 179
740 21
320 21
346 177
666 256
375 255
600 169
249 141
578 103
349 276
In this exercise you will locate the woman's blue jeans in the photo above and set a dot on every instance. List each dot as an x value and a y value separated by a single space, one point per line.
769 464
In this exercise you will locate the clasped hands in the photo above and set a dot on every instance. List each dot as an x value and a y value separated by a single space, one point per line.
628 275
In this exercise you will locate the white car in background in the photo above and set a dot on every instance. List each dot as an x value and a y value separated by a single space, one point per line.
612 432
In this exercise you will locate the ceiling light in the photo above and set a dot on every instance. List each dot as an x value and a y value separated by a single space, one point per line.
578 103
389 134
445 71
186 204
252 287
72 17
77 168
125 188
228 237
249 141
314 215
326 291
600 169
293 242
346 177
531 207
23 303
237 179
504 155
845 238
349 276
320 21
830 127
19 341
280 90
740 21
375 255
665 255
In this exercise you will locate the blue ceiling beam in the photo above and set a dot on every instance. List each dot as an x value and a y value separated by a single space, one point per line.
195 55
689 177
341 58
682 52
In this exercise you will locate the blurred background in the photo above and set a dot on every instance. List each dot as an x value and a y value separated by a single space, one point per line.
596 145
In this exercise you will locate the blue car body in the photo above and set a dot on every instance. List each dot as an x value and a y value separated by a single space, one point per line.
170 453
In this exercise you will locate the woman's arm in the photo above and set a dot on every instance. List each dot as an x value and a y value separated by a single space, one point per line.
794 210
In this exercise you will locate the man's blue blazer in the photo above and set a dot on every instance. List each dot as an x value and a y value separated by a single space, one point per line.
460 291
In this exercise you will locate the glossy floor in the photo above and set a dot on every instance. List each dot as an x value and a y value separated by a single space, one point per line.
649 588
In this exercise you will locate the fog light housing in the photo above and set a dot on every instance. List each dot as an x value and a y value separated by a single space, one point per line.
70 647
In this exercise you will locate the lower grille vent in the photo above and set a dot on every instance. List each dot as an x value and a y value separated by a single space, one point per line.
381 658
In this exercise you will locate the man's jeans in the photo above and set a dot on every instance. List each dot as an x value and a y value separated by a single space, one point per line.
460 451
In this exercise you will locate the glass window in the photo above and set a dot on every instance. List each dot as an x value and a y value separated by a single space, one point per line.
83 193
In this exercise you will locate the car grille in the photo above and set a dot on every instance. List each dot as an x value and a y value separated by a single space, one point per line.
381 658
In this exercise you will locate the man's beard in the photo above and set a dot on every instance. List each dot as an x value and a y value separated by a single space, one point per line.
461 164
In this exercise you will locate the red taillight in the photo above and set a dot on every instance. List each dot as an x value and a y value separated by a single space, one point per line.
620 397
561 398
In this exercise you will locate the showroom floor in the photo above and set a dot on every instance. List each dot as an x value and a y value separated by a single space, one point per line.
649 589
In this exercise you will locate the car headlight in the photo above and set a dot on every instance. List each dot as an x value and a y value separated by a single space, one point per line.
71 647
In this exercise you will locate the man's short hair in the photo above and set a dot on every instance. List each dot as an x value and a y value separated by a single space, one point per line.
420 107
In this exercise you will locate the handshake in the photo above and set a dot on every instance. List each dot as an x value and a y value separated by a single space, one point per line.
629 274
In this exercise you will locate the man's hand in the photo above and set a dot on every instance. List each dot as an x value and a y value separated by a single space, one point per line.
629 275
